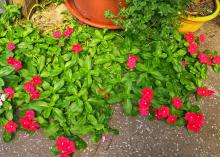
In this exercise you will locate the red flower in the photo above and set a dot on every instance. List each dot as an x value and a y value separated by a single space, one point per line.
193 48
144 102
163 112
132 61
35 94
28 124
17 65
184 63
100 90
30 114
68 32
29 87
216 59
25 122
144 105
144 111
177 103
203 58
11 46
77 48
107 95
64 155
147 93
195 121
11 127
202 38
204 92
36 80
57 34
209 60
33 126
190 37
171 119
158 117
9 91
11 61
65 146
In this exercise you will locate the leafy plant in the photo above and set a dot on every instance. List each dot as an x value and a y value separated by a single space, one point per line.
149 19
67 82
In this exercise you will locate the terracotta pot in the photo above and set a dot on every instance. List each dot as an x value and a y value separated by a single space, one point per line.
92 11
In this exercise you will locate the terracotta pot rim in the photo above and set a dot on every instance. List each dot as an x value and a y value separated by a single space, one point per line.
72 8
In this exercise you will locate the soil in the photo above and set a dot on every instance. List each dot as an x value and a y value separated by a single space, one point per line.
201 8
139 137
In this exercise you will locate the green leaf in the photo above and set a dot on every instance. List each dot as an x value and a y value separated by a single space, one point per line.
92 119
55 72
51 130
127 106
6 71
47 112
54 151
58 114
180 122
38 106
195 108
88 107
9 115
177 67
109 36
1 82
43 122
59 85
98 34
6 137
80 144
41 63
141 67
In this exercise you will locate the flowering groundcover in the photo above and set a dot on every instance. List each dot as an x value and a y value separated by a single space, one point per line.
65 82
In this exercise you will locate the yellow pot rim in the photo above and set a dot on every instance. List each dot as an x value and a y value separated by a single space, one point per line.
205 18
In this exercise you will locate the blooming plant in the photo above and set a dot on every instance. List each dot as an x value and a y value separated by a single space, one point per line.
66 81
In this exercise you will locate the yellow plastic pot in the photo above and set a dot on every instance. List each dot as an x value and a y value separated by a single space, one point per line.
192 23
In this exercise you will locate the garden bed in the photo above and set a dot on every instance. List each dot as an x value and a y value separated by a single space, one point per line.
67 86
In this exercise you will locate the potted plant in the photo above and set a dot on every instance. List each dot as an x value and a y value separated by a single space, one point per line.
92 12
197 13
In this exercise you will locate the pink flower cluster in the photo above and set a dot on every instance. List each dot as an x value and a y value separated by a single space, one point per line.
27 121
204 92
164 112
203 57
208 59
77 48
11 127
177 103
29 87
11 46
67 33
65 146
17 64
10 92
144 102
132 61
195 121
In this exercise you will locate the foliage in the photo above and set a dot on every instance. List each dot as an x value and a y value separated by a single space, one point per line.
149 19
78 89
